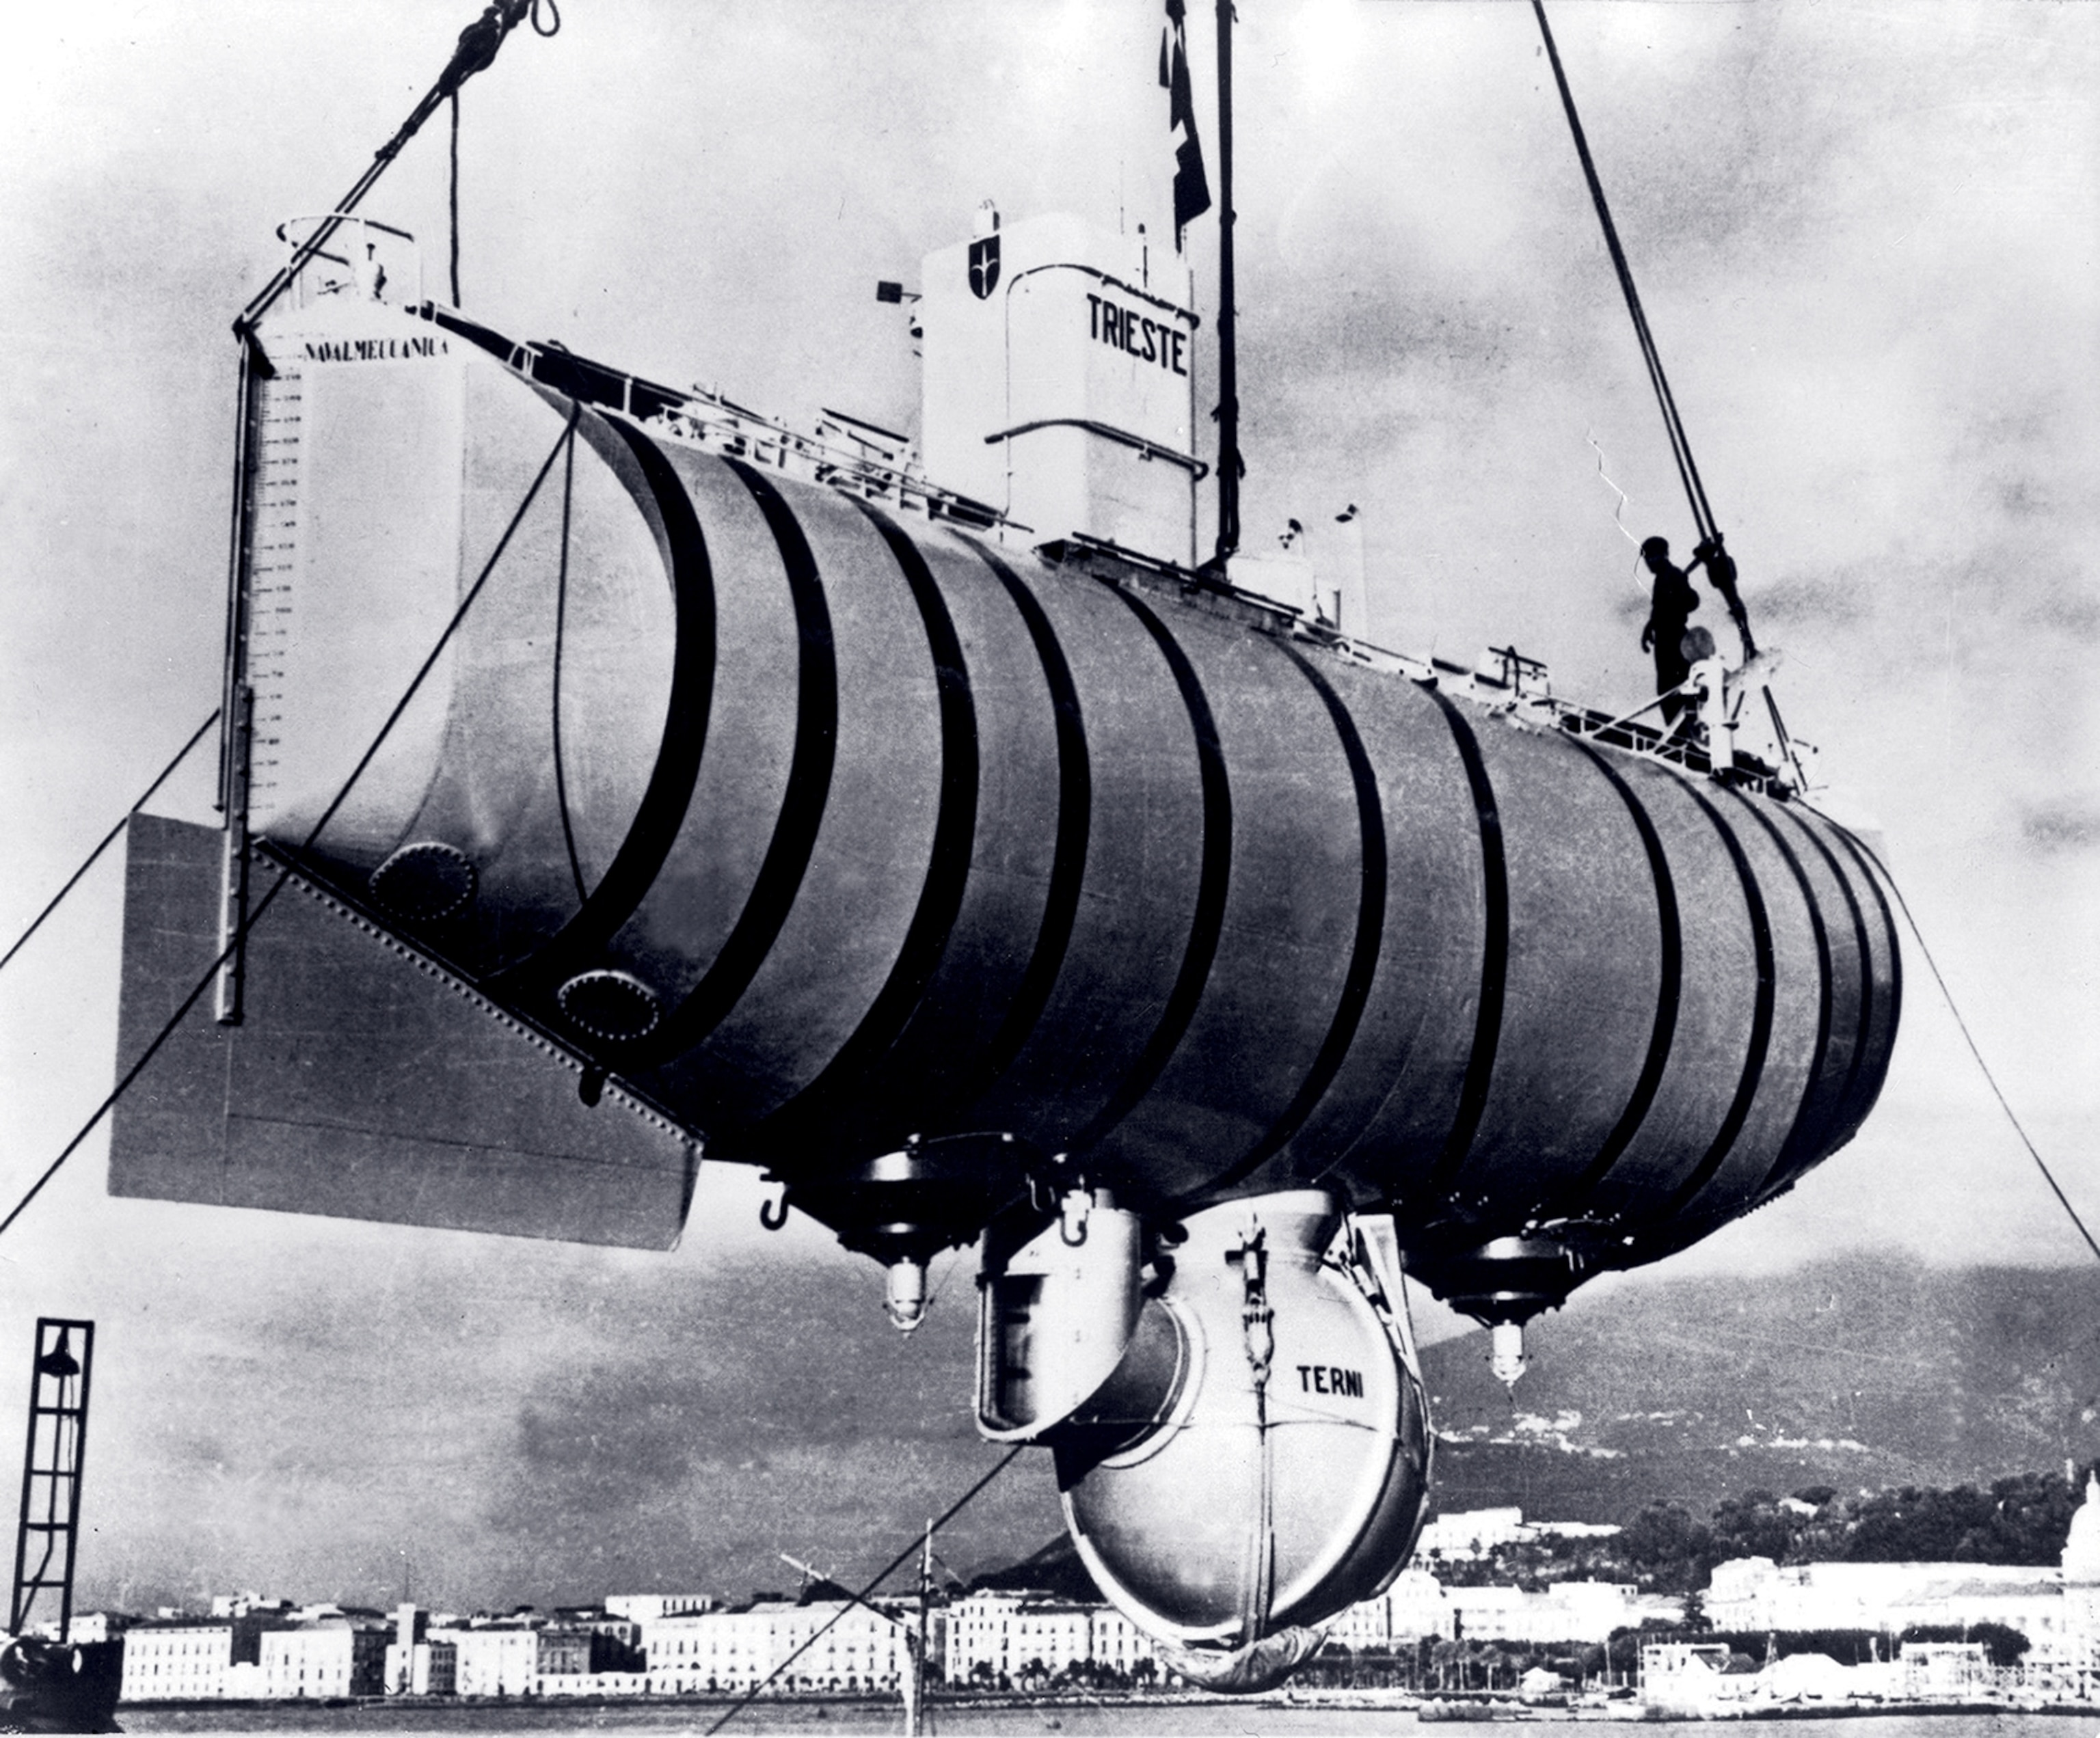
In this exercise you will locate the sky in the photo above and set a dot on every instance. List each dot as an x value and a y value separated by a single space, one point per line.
1867 237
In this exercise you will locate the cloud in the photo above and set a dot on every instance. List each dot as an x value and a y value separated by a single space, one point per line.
2070 609
2071 823
1837 598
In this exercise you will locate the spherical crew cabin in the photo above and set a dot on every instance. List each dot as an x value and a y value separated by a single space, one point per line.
1210 968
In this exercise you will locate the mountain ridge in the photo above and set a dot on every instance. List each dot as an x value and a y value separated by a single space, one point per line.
1861 1373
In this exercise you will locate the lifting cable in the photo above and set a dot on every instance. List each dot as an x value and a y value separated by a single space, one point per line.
1680 447
474 52
254 915
888 1569
1721 570
108 838
1990 1079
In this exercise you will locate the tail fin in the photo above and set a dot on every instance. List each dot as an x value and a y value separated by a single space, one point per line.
364 1082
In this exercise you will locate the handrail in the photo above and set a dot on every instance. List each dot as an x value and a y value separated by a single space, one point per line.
699 414
1196 469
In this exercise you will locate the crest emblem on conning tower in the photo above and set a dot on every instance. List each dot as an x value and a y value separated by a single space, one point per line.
984 266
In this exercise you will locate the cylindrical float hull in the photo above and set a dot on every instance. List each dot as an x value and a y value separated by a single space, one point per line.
889 832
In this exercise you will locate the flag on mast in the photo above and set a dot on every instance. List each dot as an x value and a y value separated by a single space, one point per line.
1192 190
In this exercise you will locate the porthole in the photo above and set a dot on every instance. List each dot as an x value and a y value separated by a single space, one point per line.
616 1006
424 883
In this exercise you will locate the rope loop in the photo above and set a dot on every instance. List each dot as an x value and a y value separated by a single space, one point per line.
1258 1329
1257 1318
479 42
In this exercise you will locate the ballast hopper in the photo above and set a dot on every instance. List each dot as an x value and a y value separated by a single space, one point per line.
981 877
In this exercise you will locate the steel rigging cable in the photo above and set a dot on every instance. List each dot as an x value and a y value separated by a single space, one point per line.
561 634
109 838
452 200
1680 447
493 18
1990 1079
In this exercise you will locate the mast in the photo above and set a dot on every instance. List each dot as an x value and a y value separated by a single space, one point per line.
236 698
1229 399
915 1699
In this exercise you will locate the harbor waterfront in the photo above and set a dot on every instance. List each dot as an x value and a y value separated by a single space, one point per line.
1453 1640
1170 1719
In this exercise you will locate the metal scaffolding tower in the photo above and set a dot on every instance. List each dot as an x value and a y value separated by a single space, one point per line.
51 1469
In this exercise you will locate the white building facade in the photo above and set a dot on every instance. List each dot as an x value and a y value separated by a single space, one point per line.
1416 1607
1470 1534
494 1659
334 1657
1367 1625
825 1645
1005 1637
1119 1644
645 1608
422 1669
1564 1612
176 1661
1754 1593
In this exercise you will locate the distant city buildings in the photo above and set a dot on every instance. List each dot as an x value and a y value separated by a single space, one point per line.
1695 1680
2057 1610
1565 1611
1754 1593
695 1644
1472 1534
997 1638
268 1653
498 1658
688 1644
329 1656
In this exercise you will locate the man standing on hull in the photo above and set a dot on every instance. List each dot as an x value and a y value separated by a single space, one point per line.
1670 611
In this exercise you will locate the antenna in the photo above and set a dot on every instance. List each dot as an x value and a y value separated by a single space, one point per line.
1229 400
